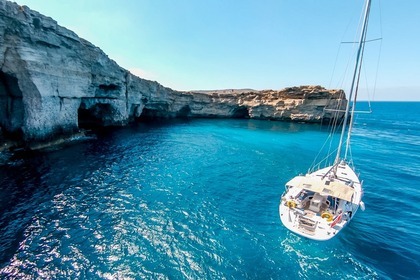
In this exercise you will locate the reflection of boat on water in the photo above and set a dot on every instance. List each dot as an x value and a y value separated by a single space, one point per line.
320 204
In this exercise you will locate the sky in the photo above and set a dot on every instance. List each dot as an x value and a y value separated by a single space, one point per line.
266 44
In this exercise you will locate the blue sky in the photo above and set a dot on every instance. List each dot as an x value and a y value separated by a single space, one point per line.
268 44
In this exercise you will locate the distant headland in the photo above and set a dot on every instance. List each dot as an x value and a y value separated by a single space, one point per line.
54 83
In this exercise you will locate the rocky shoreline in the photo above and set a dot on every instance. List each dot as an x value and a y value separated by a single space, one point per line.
53 84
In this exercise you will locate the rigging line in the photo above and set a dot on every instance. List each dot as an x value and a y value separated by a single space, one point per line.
340 85
336 122
338 104
356 67
359 112
377 71
368 93
380 51
335 65
324 160
337 113
366 86
333 119
313 164
359 70
365 41
332 127
350 161
340 80
353 53
372 98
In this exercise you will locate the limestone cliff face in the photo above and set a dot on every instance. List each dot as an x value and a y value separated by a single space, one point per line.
49 77
302 104
52 82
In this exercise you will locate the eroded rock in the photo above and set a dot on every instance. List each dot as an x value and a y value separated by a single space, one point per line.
53 83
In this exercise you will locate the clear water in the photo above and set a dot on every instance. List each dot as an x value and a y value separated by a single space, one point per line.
199 200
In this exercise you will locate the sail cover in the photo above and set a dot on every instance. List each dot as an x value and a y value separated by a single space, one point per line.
323 187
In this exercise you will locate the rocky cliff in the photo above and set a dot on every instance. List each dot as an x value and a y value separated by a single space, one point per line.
53 82
301 104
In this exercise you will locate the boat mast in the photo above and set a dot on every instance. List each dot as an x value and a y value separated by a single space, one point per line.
354 87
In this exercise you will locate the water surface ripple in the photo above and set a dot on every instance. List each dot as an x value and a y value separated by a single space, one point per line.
199 200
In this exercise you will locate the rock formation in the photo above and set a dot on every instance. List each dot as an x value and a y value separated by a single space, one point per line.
302 104
53 82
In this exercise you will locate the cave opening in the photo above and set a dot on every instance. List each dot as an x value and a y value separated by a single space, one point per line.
11 106
184 112
93 117
240 112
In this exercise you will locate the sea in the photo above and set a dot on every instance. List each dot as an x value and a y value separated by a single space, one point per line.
198 199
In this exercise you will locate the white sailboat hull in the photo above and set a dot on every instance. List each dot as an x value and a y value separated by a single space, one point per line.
317 206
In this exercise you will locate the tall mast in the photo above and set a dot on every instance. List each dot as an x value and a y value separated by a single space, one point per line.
354 85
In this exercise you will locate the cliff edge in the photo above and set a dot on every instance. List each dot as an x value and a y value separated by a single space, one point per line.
52 82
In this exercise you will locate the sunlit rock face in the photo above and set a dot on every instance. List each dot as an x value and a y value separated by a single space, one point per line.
302 104
52 82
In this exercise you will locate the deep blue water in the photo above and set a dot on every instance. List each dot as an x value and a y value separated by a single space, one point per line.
198 199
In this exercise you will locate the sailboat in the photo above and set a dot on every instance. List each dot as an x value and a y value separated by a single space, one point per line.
321 203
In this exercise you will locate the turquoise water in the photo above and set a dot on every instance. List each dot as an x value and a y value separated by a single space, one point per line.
199 199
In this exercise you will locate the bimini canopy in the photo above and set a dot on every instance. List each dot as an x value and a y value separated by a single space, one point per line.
323 187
